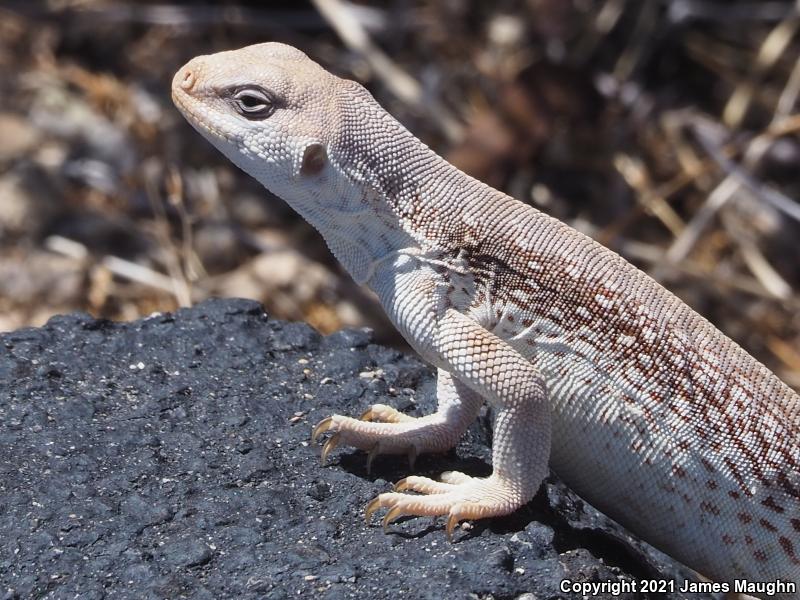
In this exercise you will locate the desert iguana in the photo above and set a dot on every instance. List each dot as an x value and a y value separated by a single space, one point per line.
638 403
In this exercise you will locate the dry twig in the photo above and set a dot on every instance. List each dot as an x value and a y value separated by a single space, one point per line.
396 79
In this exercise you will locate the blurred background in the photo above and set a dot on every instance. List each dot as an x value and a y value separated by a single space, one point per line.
666 129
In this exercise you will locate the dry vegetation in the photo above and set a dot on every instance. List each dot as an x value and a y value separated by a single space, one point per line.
668 130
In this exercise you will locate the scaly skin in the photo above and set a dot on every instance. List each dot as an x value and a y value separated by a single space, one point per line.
639 403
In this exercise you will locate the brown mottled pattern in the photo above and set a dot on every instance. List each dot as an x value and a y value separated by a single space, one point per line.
697 397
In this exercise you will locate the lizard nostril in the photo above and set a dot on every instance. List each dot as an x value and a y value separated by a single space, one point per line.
188 80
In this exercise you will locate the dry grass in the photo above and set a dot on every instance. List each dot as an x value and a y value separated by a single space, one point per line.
669 131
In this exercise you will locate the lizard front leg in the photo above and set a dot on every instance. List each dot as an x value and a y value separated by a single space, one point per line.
521 449
475 364
384 430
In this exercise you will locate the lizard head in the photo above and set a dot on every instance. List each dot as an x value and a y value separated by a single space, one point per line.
320 142
269 108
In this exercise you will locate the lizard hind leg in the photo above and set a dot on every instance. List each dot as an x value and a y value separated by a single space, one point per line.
462 497
384 430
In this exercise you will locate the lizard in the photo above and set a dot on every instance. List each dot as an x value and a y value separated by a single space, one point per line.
593 368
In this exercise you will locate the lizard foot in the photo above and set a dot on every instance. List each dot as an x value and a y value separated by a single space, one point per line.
384 430
457 495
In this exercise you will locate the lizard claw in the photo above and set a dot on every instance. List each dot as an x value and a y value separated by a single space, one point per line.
321 428
394 513
384 500
372 506
401 485
332 442
452 521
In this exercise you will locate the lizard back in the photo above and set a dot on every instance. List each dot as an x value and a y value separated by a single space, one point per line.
705 444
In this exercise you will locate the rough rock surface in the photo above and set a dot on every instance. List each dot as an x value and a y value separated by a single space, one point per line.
170 457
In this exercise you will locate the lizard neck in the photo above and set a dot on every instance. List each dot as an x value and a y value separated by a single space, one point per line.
360 239
367 203
400 191
387 192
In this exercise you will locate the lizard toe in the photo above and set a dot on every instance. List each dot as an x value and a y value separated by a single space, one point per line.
382 430
423 485
456 477
385 414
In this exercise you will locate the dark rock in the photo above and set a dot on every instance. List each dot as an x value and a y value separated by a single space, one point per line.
170 457
186 553
348 338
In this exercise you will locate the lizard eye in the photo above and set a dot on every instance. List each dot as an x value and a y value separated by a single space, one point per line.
253 103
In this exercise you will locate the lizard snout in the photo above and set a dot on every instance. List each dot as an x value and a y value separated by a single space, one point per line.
188 76
185 79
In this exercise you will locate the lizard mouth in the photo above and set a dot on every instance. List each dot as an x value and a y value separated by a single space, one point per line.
184 102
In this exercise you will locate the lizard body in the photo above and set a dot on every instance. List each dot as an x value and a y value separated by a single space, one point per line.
636 401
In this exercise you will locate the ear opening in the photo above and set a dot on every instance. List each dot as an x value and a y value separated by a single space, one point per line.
315 158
